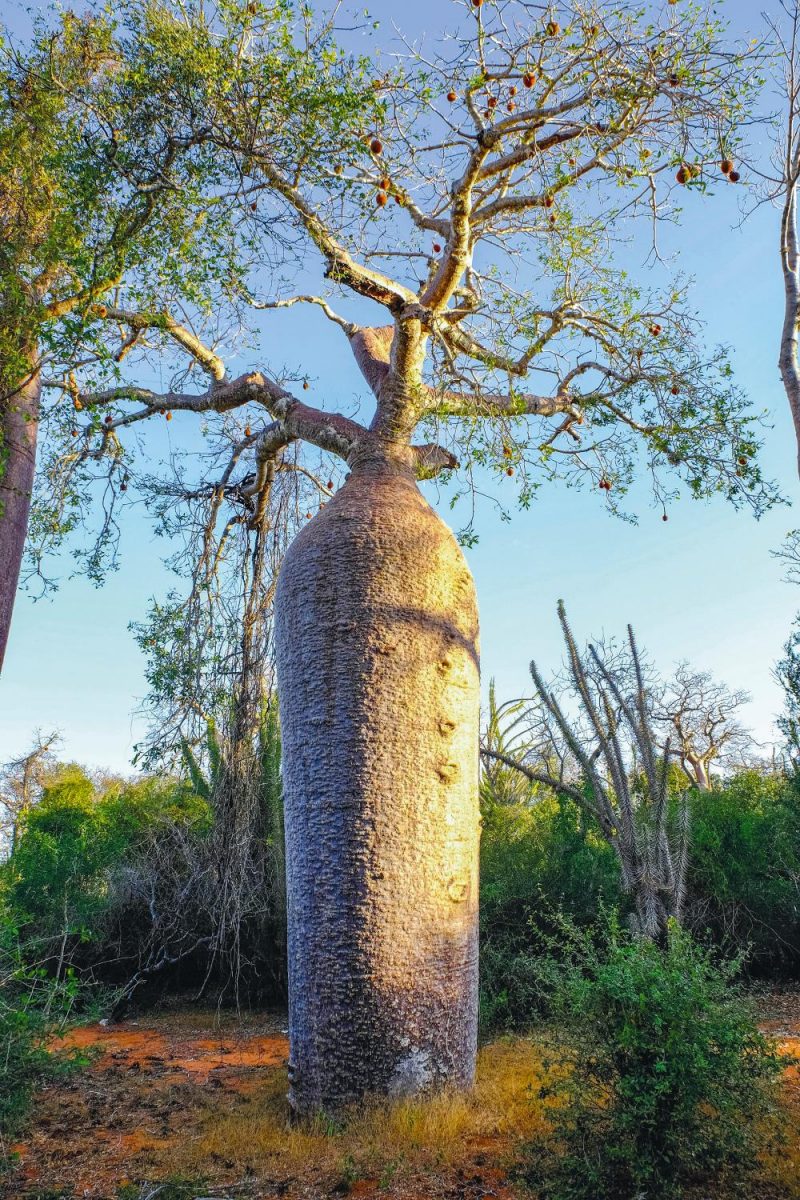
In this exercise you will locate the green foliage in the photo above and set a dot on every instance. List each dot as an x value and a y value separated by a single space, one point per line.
57 877
745 868
667 1081
535 861
33 1007
787 673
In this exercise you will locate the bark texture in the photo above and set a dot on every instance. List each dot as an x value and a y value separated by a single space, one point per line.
19 424
378 678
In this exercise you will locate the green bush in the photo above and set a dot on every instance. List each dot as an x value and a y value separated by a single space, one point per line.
536 860
744 873
665 1080
57 880
33 1007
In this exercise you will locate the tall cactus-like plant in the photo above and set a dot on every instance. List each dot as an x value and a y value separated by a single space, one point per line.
648 828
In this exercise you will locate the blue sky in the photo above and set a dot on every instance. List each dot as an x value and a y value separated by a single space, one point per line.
703 586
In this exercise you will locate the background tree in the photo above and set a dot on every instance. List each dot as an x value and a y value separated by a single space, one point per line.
21 781
780 185
699 715
471 207
100 186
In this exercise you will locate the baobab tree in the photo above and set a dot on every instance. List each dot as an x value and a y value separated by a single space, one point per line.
461 213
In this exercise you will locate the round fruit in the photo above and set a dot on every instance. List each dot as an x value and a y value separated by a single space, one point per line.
492 102
684 175
742 462
734 177
553 29
477 3
385 183
123 487
528 79
247 431
655 330
726 166
329 484
254 207
76 404
512 91
509 470
306 385
451 96
168 415
380 199
101 310
376 146
674 389
548 201
73 433
436 247
511 106
665 517
109 419
506 452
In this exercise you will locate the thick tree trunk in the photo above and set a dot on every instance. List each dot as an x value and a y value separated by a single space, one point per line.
19 424
378 679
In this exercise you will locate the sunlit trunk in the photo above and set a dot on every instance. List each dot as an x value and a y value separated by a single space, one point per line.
19 424
378 678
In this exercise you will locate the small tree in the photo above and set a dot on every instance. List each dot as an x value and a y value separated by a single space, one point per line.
649 832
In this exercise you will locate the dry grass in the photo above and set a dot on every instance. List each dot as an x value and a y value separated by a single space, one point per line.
255 1136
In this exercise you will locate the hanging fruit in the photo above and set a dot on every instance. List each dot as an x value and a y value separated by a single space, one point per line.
376 146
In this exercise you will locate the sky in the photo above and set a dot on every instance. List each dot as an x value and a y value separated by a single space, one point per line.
703 586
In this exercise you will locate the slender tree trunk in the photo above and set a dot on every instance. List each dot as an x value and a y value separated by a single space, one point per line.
19 424
378 680
788 363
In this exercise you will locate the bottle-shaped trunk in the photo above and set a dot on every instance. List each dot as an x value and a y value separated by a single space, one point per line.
19 424
378 678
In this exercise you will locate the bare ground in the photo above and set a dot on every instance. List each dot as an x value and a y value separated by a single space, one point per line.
191 1103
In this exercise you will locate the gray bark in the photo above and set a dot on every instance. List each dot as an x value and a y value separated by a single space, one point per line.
19 424
378 678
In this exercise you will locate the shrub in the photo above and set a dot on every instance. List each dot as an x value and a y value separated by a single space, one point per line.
667 1080
744 876
536 860
32 1008
57 879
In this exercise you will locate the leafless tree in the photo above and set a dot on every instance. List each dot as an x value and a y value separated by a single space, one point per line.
700 714
21 781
